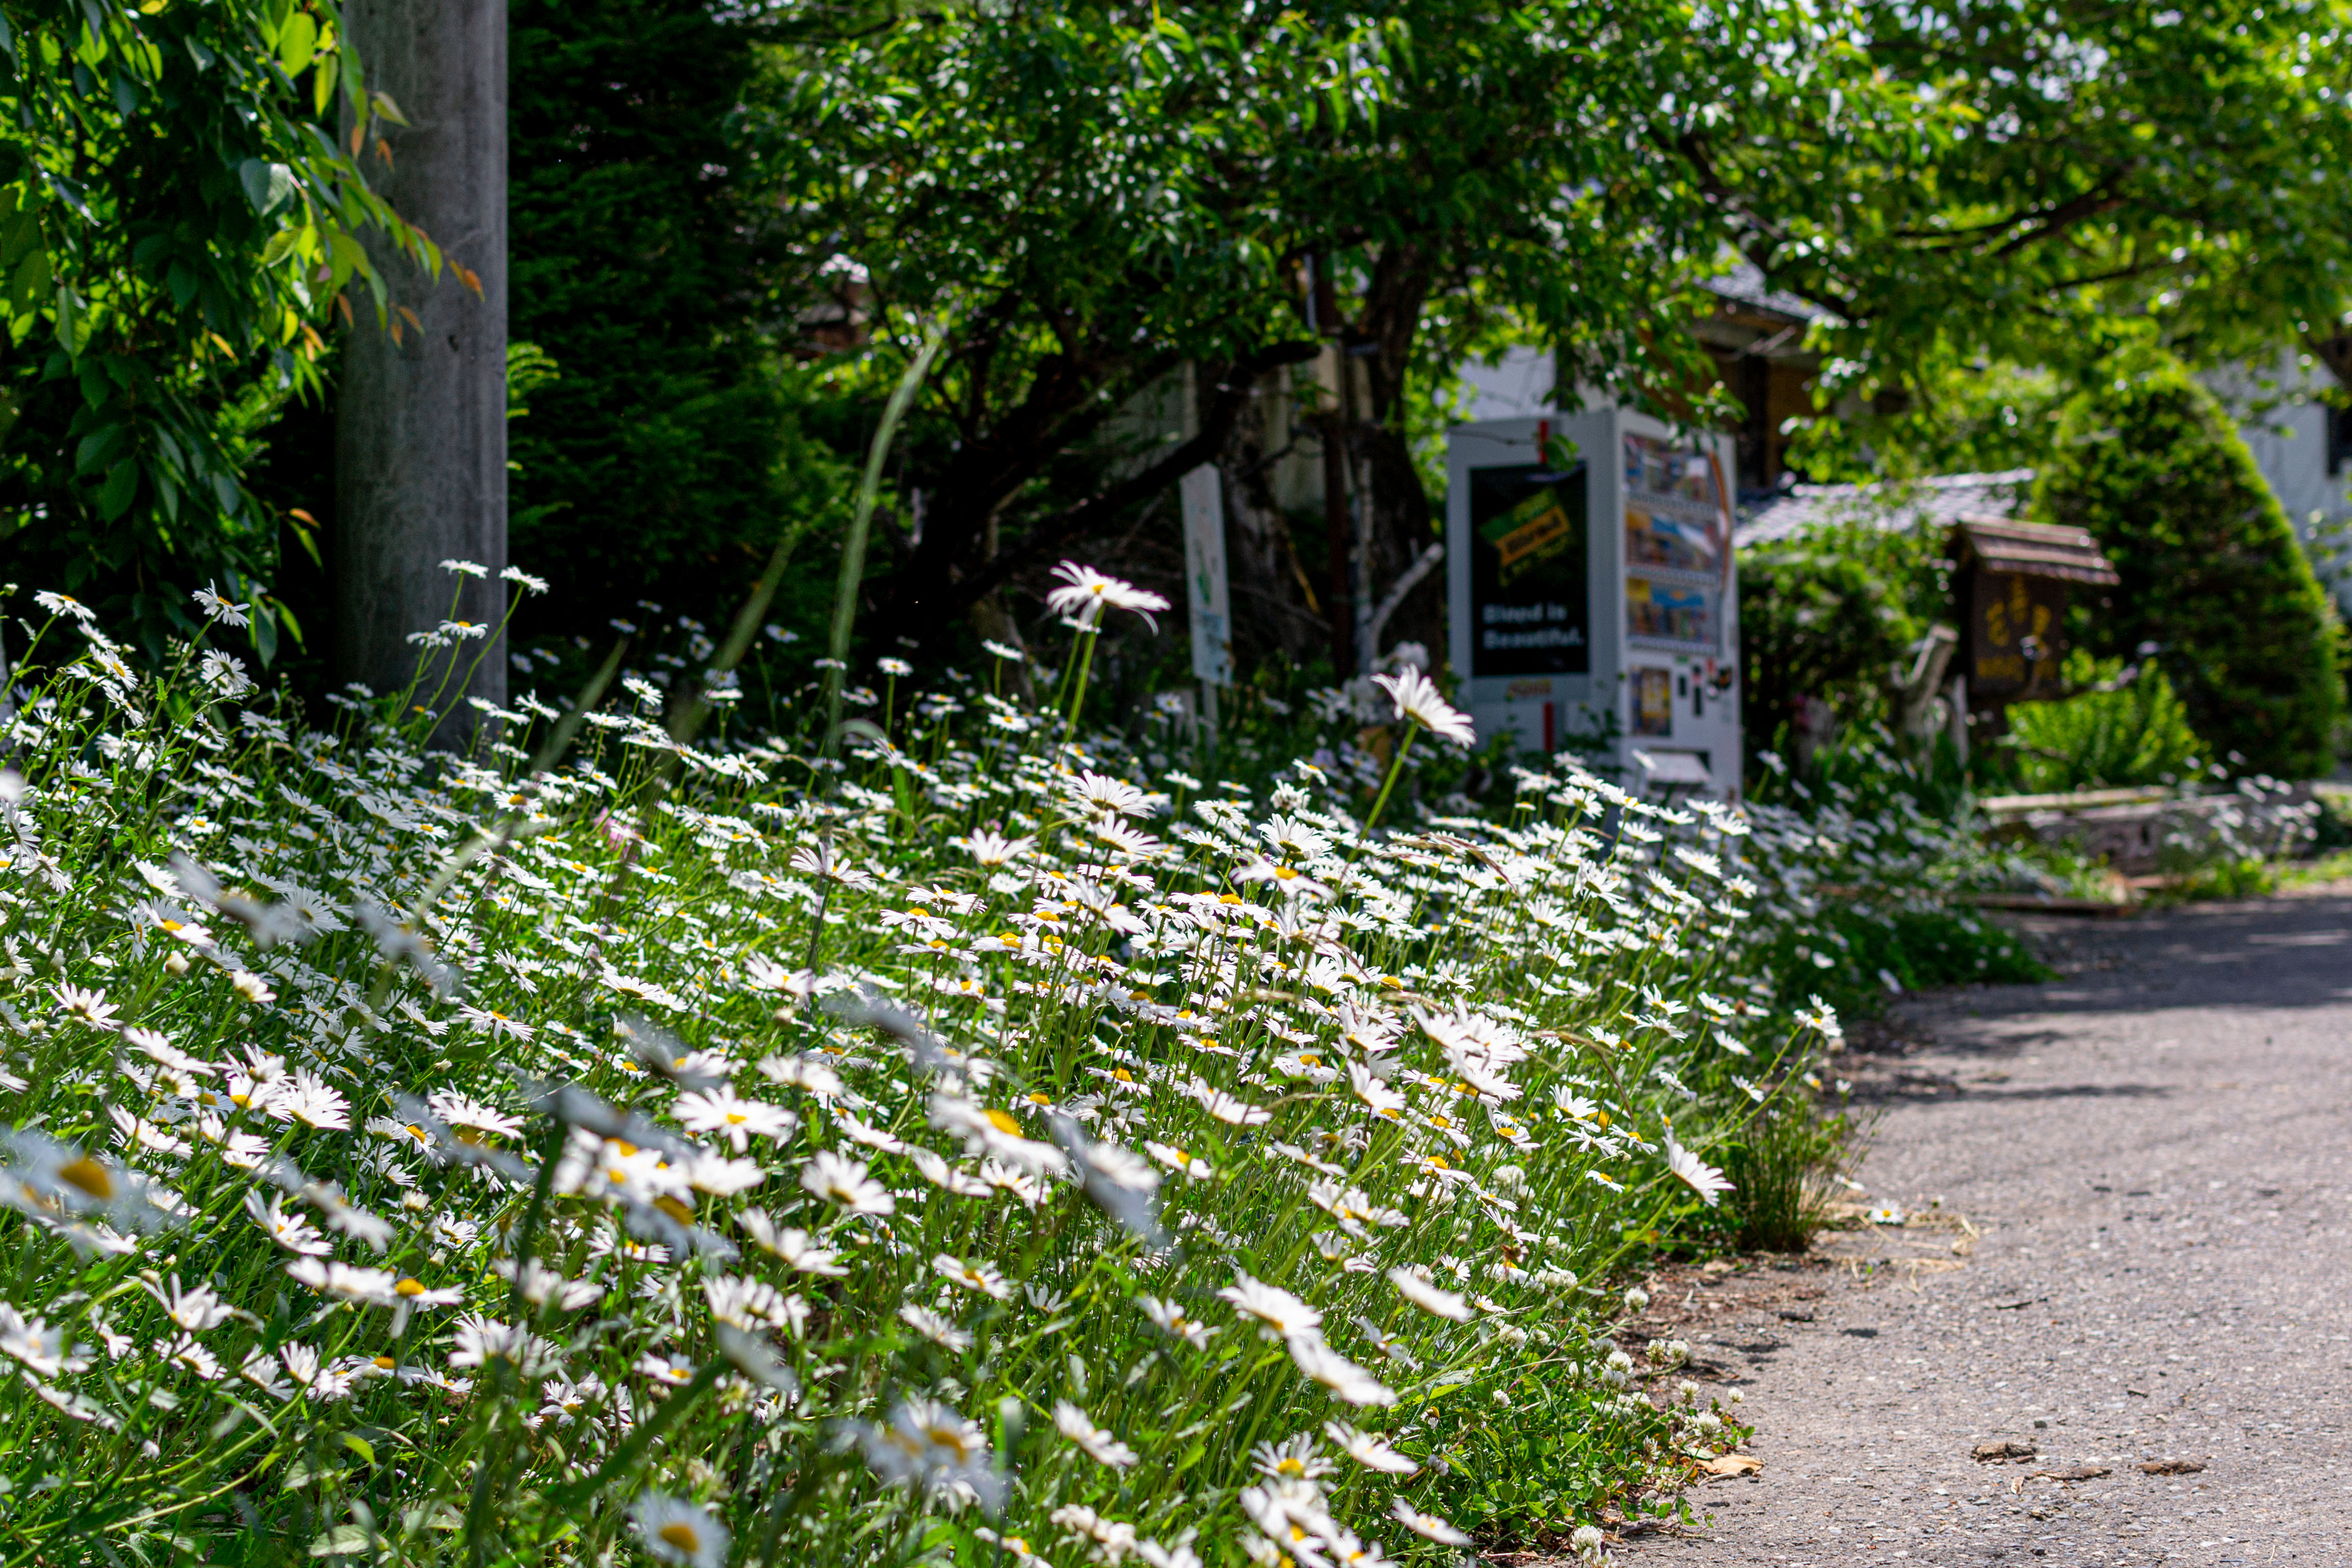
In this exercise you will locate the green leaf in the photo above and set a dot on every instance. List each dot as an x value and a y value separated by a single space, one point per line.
281 243
322 85
344 1541
31 283
360 1446
297 42
266 184
121 486
69 320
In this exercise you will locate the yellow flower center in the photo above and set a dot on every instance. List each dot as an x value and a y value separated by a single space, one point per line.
386 1364
88 1175
1002 1121
682 1536
409 1287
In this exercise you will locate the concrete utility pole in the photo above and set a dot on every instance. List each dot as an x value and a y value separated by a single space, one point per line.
421 424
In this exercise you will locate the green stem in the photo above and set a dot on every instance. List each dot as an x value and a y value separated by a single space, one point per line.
1085 666
640 1438
1396 765
852 548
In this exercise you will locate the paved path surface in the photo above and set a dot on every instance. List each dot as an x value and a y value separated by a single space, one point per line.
2158 1149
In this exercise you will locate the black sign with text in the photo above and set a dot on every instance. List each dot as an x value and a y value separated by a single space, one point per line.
1530 602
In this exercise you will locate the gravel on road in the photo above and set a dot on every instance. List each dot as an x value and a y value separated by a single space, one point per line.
2155 1150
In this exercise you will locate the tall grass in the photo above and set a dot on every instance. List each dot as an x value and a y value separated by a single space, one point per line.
974 1149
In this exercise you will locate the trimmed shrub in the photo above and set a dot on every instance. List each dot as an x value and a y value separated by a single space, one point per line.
2213 572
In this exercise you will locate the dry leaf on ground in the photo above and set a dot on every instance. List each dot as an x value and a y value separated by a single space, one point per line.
2173 1466
1731 1465
1988 1453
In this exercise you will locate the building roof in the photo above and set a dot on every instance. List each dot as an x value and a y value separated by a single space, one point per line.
2031 549
1937 501
1745 285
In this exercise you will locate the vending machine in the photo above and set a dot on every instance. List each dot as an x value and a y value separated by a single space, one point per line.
1591 594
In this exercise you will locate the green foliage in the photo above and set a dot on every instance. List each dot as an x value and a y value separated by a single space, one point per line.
173 222
636 1127
1967 417
1086 199
2036 185
1832 615
2213 575
2128 729
663 456
1780 1164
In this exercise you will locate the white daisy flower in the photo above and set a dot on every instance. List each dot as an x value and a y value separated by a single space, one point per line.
677 1531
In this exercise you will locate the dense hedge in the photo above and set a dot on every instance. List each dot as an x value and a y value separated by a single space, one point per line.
2213 572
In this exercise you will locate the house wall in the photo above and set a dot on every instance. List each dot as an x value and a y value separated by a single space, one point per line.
2289 442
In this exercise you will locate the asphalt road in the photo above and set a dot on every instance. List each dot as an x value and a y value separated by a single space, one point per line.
2156 1149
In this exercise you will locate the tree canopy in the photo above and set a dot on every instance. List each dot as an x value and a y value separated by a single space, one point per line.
178 219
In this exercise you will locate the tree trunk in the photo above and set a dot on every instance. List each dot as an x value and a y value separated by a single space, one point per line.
1402 523
420 422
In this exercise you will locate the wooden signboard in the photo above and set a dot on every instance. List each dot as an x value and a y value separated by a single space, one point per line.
2012 582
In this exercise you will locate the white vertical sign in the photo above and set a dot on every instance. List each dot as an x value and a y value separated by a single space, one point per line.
1204 576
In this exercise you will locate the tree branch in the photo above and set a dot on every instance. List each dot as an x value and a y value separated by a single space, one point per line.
1224 405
